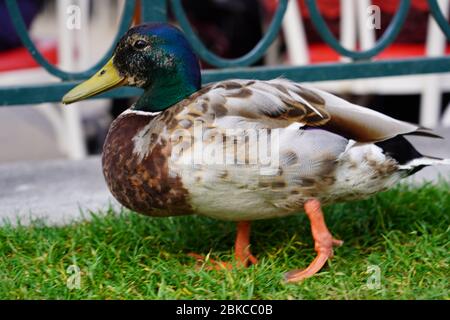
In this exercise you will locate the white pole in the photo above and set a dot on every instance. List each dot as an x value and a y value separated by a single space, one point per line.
348 26
75 147
366 34
430 104
294 32
84 39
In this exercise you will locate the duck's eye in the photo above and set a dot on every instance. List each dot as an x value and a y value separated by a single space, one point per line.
140 44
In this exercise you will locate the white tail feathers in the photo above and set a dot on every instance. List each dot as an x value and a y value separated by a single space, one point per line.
425 161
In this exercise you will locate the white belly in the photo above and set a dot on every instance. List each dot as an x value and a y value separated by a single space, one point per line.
237 196
327 169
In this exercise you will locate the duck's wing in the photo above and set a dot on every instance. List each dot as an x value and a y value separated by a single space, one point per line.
261 104
279 103
363 124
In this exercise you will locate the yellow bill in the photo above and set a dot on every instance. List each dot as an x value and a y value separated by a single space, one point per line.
107 78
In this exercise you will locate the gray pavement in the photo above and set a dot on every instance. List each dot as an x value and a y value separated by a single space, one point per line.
54 190
25 133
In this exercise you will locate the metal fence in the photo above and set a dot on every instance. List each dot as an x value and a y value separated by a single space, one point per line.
156 10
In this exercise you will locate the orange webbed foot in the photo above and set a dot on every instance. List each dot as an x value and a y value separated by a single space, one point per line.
209 263
243 255
323 243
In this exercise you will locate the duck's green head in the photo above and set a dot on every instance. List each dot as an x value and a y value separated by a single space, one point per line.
154 57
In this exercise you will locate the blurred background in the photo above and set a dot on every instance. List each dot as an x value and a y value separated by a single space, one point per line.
230 28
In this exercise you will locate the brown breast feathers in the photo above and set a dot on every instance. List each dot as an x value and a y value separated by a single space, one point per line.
142 182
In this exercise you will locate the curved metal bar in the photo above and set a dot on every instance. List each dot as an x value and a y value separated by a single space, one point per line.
19 25
439 17
388 37
254 55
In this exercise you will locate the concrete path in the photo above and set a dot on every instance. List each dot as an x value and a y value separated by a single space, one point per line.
56 190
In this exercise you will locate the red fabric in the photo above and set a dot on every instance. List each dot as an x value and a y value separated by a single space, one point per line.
20 58
331 8
320 53
392 5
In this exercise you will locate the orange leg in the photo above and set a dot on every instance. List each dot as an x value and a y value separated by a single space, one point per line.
242 245
323 243
241 248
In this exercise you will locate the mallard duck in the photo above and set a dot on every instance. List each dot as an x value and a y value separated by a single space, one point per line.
240 150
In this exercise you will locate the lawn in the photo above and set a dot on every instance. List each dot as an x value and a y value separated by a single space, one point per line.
403 232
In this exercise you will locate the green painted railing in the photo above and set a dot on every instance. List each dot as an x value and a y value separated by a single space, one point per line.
156 10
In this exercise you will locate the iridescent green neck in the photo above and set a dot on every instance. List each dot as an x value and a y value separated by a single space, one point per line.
167 90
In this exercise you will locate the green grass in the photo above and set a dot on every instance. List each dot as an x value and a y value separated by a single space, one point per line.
405 232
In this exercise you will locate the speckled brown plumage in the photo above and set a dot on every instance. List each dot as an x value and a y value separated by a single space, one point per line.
142 185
